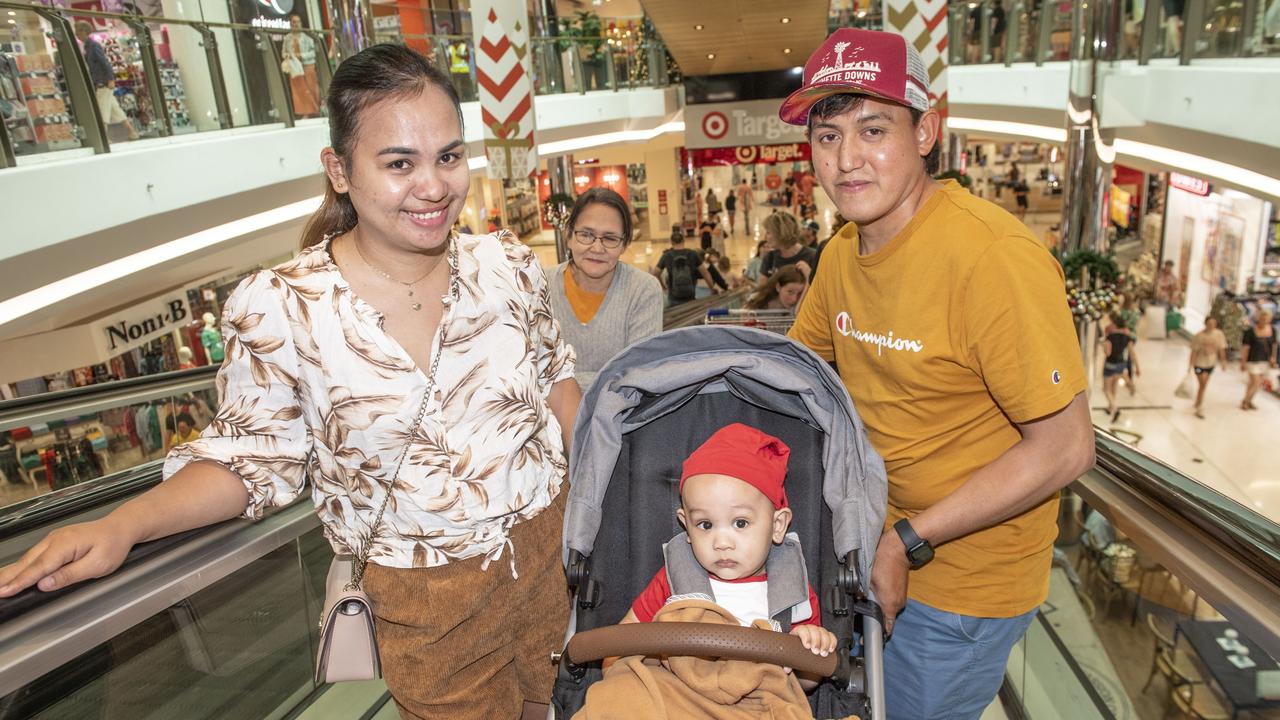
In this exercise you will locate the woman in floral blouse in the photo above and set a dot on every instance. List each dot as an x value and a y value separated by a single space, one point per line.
392 355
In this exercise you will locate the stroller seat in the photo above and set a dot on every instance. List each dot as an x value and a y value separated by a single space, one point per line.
647 410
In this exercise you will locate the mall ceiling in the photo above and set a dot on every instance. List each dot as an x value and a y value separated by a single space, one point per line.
712 37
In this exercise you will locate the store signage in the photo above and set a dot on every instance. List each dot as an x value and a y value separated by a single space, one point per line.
279 7
719 125
386 22
141 324
751 155
270 23
662 202
1193 185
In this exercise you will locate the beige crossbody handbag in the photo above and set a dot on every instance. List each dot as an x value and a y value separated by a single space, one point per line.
348 642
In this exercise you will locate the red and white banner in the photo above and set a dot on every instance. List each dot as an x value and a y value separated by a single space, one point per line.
501 32
749 155
924 24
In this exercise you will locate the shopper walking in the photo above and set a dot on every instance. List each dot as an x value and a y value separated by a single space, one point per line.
379 365
103 76
948 322
731 209
1118 352
713 203
679 269
602 305
1258 355
299 64
1208 350
746 198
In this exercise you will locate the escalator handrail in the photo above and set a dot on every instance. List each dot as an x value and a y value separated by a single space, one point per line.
1251 538
43 510
694 311
73 402
59 627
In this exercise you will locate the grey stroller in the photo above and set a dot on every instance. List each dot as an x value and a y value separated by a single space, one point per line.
648 409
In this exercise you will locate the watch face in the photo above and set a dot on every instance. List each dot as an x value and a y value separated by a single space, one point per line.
921 554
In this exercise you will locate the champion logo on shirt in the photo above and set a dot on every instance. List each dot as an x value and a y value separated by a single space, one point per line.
1056 377
844 326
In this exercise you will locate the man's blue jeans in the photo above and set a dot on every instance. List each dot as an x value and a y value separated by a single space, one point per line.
944 666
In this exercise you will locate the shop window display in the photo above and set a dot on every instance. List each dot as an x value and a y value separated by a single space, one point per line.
34 102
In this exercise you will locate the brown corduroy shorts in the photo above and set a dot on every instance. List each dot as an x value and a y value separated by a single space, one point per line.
459 642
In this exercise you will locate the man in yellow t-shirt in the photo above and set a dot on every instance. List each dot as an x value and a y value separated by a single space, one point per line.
948 322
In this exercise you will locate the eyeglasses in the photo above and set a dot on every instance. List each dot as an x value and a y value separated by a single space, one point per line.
586 238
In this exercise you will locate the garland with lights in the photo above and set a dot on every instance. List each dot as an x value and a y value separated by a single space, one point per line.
556 209
1095 298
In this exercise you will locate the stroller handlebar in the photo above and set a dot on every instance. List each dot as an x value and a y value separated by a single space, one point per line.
729 642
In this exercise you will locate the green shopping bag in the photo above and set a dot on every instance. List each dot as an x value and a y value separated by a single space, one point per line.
1172 320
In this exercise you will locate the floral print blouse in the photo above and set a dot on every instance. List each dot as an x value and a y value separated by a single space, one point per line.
312 387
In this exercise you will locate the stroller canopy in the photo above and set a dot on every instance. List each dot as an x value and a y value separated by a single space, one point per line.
657 376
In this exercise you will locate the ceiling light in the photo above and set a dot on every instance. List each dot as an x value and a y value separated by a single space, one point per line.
786 20
786 51
711 56
697 27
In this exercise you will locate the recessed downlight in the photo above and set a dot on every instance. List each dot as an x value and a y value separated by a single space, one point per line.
711 56
786 20
786 51
699 26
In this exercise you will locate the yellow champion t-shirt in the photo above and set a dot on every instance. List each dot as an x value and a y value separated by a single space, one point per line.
946 337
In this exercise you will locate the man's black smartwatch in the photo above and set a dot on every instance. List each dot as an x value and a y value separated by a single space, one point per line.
919 551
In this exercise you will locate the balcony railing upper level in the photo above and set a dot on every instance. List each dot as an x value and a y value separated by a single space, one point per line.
79 81
1039 31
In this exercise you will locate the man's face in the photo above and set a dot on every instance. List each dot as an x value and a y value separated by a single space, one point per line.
869 158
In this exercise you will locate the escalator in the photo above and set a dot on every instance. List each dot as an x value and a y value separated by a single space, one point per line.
221 622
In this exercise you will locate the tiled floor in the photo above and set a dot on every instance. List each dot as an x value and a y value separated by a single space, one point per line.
1225 450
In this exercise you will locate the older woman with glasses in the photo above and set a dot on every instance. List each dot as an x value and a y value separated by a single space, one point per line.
602 305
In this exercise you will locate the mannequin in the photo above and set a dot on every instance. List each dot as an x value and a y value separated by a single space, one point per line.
184 358
211 339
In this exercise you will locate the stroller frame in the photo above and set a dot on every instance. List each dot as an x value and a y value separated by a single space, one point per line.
657 401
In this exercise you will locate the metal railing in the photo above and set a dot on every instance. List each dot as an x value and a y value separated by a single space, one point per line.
219 75
987 32
57 94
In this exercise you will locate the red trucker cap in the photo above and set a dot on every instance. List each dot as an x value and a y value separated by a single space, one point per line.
866 62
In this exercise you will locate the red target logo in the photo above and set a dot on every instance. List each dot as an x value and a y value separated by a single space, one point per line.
715 125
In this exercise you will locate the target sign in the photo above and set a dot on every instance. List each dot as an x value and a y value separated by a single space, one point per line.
715 125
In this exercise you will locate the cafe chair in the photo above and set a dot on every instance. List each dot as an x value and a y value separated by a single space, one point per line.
1200 702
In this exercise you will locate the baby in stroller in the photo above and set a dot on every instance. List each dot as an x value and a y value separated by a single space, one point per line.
735 550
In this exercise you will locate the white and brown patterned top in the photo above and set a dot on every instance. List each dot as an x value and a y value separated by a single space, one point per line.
313 387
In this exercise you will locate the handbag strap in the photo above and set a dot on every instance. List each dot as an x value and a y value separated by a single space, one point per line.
360 558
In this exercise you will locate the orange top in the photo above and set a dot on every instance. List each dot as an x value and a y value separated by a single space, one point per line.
585 304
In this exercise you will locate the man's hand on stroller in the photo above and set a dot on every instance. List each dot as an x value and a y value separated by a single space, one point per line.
889 577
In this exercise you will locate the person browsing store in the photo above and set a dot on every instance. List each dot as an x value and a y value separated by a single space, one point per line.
948 322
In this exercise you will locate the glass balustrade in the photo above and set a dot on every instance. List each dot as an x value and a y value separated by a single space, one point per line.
999 31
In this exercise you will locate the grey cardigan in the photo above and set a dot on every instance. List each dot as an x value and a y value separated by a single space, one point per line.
631 311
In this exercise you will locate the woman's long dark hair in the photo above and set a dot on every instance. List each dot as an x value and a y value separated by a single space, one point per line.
374 74
607 197
769 292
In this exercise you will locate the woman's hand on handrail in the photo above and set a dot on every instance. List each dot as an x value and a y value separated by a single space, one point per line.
200 494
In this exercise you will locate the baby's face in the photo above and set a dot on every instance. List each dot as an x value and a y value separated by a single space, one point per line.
731 525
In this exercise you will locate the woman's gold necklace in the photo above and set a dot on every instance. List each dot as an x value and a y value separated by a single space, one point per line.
415 305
